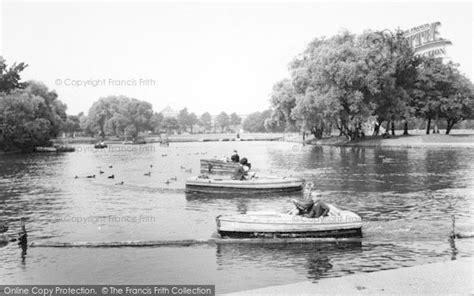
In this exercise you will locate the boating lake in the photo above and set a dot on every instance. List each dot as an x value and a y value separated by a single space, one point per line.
406 198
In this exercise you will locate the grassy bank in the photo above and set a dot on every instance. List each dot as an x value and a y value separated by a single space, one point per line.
417 138
436 140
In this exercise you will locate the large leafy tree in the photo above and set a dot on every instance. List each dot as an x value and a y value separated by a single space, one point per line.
170 124
350 80
157 122
459 104
283 101
235 120
256 122
439 91
29 117
222 121
391 76
193 120
333 73
187 120
72 124
10 76
205 121
120 116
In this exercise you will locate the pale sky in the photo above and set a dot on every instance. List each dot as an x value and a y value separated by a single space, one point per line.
205 56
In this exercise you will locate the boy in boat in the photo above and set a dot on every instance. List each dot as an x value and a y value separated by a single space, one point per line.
309 208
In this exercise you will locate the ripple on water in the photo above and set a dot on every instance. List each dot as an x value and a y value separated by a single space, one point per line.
406 204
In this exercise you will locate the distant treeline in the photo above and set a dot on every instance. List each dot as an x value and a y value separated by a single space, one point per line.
351 83
31 115
358 83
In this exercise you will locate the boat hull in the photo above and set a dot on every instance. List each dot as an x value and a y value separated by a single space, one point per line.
336 233
257 185
337 224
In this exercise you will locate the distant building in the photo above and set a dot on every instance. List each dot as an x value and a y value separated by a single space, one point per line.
169 112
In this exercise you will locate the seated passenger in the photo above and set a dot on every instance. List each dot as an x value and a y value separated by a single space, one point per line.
239 173
319 209
247 166
243 171
235 157
310 209
302 207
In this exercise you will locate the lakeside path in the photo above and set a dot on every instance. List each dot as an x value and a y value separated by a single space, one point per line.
414 141
443 278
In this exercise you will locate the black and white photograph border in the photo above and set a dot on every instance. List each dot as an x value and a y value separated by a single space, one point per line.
236 147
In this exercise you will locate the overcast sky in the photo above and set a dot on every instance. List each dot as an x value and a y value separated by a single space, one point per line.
204 56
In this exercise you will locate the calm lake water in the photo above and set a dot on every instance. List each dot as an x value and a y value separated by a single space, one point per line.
406 198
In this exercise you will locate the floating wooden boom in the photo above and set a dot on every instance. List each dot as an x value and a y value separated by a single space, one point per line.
190 242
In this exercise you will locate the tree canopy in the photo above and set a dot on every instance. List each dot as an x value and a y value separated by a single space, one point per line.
119 116
348 81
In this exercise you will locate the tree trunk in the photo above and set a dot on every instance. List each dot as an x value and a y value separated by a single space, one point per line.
405 128
387 128
393 128
428 126
376 128
449 126
435 128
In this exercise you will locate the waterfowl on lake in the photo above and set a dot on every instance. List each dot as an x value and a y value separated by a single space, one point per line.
90 176
174 178
101 172
164 155
76 177
119 183
111 177
188 170
182 167
110 166
147 174
167 182
100 145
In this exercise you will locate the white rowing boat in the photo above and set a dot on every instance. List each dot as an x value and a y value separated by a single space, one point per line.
261 184
338 223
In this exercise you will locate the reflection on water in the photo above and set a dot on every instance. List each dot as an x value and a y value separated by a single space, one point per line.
406 198
315 260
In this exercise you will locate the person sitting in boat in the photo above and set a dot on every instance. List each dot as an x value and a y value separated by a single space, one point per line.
235 157
243 171
310 208
247 166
